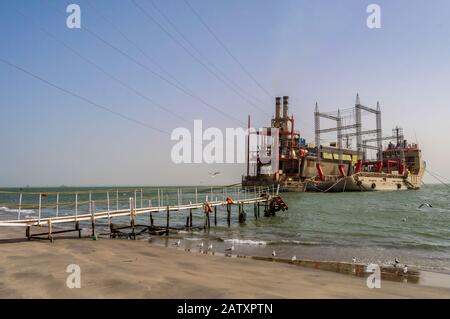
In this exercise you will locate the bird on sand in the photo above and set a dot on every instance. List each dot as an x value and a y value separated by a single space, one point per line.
210 247
354 260
274 254
230 249
294 258
425 204
177 243
201 245
405 269
396 262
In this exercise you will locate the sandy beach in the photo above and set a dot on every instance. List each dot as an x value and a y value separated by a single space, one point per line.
137 269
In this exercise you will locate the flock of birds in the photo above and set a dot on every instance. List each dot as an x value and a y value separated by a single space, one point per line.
395 263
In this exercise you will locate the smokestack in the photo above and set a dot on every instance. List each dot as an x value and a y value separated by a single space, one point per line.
285 107
277 107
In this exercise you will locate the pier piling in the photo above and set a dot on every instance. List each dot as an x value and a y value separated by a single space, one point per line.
167 223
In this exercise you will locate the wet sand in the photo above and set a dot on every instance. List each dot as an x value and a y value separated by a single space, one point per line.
137 269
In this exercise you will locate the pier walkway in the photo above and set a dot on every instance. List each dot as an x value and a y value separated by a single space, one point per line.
72 207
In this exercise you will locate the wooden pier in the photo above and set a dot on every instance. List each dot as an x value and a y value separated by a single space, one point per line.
260 197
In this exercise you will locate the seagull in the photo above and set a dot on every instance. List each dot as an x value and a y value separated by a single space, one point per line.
425 204
404 219
201 245
405 269
178 243
396 262
214 174
354 260
230 249
210 247
294 258
274 254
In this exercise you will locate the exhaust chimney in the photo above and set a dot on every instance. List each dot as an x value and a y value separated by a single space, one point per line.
285 107
277 107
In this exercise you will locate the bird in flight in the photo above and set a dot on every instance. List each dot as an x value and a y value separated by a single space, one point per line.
214 174
425 204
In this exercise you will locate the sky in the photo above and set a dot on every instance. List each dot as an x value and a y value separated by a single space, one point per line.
314 51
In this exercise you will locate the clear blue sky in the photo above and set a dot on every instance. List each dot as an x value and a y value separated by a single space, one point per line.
311 50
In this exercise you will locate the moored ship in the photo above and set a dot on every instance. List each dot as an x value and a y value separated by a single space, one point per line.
298 166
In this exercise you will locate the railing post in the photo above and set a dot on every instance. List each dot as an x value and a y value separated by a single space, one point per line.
92 209
20 206
117 199
57 204
76 206
142 199
159 198
196 195
40 208
109 217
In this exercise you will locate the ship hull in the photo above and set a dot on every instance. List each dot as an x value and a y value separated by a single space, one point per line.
369 182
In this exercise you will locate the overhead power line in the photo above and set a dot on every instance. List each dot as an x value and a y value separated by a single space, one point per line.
228 51
135 45
218 73
82 98
102 70
192 55
160 76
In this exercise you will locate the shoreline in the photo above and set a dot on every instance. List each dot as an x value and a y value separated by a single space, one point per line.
115 268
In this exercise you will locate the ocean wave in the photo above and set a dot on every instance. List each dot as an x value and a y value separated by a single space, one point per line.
193 238
13 210
246 242
298 242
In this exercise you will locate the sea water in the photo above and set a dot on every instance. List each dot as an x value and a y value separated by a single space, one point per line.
373 227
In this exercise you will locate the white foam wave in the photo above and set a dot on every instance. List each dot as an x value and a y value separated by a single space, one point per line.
246 242
13 210
193 238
